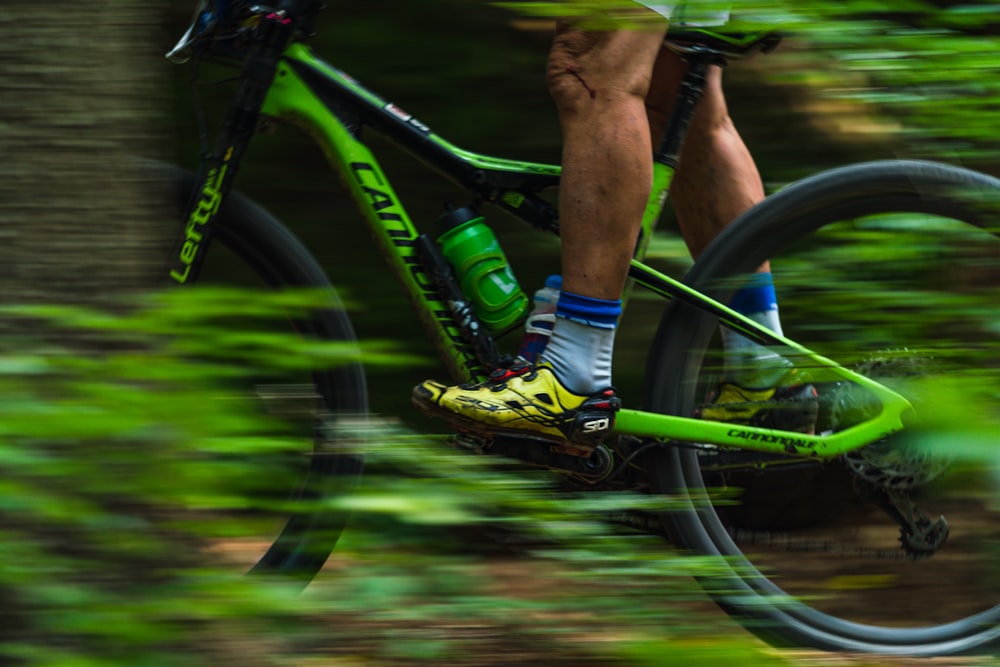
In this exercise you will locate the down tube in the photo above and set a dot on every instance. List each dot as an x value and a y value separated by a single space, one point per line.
291 100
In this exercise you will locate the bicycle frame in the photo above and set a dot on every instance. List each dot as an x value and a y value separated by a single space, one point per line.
331 107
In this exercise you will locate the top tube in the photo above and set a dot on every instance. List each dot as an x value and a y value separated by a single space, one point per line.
334 89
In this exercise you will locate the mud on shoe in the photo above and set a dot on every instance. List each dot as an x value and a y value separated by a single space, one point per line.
523 400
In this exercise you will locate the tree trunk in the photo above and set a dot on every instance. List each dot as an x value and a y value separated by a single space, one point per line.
83 96
94 568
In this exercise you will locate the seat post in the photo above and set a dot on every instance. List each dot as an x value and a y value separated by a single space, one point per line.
691 90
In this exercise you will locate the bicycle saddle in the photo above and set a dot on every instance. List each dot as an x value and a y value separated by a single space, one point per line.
723 42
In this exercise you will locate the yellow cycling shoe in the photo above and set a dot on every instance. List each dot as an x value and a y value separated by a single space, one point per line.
791 406
523 400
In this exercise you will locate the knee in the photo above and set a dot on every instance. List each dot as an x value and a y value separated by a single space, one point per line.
568 83
585 70
577 89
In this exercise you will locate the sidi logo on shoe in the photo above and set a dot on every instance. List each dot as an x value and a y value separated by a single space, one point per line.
596 425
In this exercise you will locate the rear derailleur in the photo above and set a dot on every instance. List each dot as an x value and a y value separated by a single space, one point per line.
888 472
919 536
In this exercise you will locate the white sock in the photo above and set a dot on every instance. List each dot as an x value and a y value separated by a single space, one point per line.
580 355
750 364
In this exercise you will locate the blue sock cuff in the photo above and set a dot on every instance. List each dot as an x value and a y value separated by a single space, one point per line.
756 296
599 313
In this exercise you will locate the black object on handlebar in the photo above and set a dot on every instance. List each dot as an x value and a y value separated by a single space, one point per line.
219 25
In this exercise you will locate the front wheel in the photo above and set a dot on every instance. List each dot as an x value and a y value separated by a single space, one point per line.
312 412
891 269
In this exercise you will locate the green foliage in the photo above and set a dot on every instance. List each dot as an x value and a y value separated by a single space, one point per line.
124 463
924 66
452 556
134 482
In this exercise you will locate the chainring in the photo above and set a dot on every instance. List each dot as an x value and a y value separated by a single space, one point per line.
892 463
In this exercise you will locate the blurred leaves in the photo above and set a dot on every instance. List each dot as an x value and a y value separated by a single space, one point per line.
491 563
138 481
117 464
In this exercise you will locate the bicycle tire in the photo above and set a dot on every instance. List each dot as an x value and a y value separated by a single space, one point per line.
799 212
271 252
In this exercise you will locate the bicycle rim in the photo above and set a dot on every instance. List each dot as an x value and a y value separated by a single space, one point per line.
892 269
314 415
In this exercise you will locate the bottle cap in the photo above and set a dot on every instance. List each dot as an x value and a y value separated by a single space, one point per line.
456 218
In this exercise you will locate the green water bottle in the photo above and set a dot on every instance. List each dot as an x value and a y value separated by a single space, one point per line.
482 269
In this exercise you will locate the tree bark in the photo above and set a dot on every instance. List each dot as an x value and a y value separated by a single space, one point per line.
83 95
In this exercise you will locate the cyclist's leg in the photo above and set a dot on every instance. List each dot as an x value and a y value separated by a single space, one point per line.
718 181
599 81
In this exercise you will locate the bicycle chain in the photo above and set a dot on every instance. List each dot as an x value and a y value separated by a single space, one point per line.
651 524
812 545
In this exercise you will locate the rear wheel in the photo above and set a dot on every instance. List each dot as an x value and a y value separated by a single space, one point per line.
892 269
313 414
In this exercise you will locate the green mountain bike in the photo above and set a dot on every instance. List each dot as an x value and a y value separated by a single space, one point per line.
887 274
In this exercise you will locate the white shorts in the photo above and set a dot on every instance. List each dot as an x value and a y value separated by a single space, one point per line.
684 14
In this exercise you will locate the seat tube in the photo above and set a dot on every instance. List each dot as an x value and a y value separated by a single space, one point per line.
691 90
